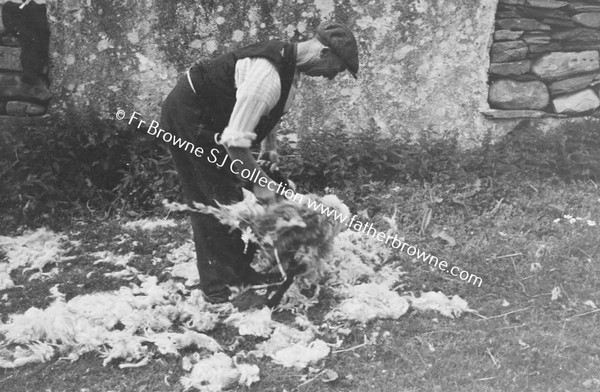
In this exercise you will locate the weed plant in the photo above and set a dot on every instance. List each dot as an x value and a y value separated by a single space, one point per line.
85 167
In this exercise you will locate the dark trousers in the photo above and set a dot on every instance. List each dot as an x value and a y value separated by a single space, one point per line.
220 251
31 28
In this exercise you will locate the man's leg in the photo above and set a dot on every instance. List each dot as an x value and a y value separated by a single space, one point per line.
220 253
215 246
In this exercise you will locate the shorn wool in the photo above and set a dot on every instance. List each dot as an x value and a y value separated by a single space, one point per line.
293 238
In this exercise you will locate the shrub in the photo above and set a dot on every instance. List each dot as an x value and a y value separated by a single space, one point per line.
52 168
570 152
88 163
335 158
150 177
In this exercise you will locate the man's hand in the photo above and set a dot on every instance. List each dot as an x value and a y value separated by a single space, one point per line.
264 194
268 161
246 161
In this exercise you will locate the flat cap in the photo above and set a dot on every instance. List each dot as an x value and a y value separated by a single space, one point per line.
341 41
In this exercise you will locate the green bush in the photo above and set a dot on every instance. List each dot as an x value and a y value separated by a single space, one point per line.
336 158
85 164
91 166
68 166
571 152
149 178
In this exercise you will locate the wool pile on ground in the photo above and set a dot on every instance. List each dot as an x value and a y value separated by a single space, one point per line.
367 302
286 232
437 301
172 316
184 260
293 347
116 324
33 250
253 322
219 372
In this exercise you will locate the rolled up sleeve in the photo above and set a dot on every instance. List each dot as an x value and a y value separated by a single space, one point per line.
258 90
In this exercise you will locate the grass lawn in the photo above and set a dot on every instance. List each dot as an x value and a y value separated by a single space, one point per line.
539 272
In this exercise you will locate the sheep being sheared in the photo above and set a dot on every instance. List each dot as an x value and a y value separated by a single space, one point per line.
302 238
292 236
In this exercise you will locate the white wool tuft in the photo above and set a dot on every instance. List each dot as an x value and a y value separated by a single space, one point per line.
355 257
128 273
184 253
195 316
282 337
143 362
436 300
212 374
36 352
40 275
33 250
188 271
149 224
188 361
300 355
254 322
196 339
5 281
334 202
124 346
111 258
367 302
248 374
170 342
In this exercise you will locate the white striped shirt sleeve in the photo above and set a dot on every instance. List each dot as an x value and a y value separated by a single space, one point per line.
258 90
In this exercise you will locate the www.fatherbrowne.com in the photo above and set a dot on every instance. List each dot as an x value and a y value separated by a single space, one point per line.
253 176
368 229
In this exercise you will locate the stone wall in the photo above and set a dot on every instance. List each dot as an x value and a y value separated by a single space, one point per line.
22 95
423 63
545 57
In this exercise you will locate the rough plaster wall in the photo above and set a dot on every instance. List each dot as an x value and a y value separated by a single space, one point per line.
424 67
423 62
